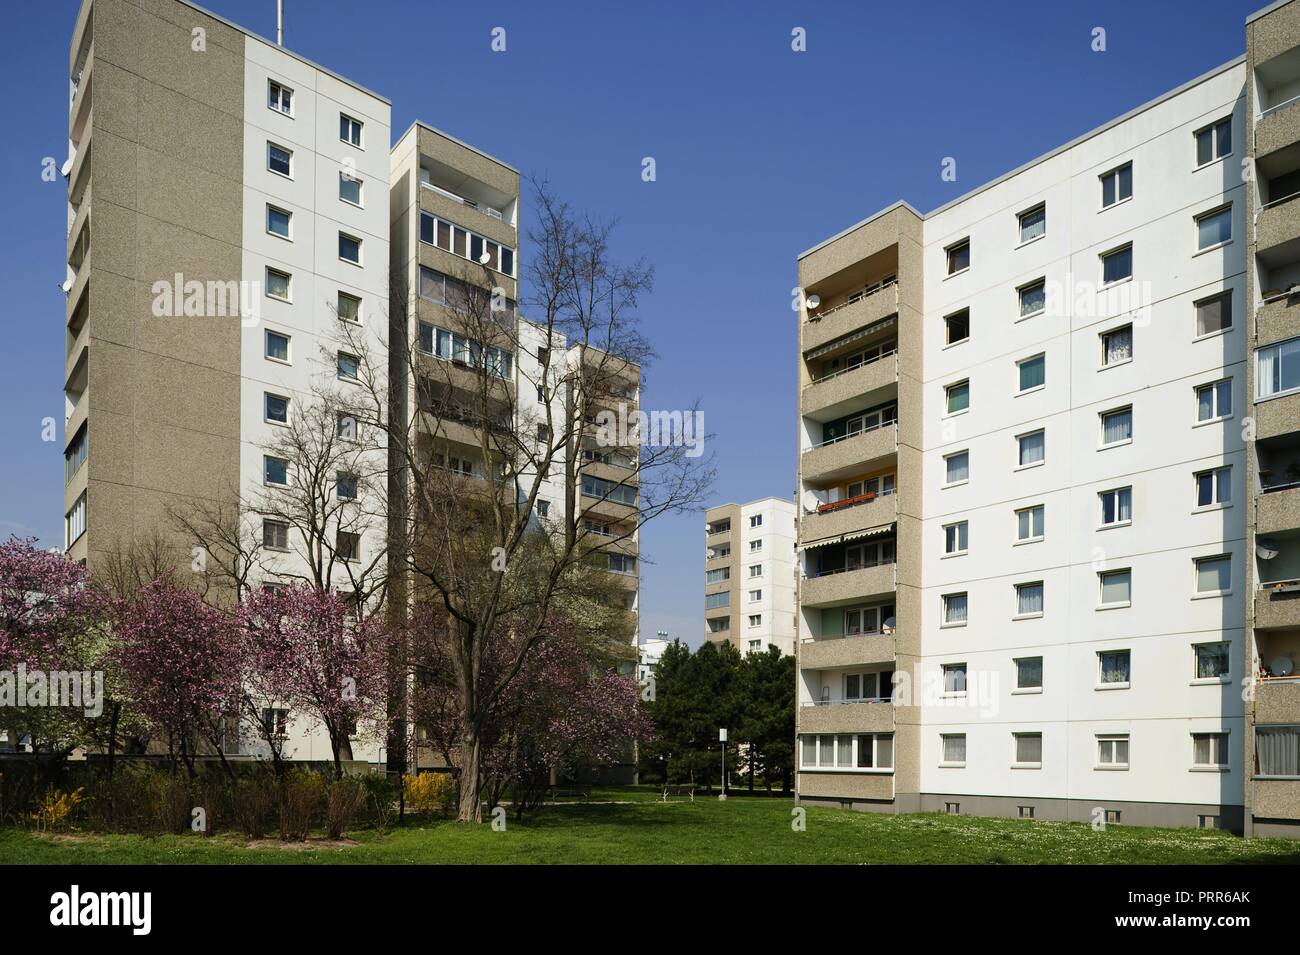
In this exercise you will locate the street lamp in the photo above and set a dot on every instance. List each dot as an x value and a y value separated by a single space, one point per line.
722 738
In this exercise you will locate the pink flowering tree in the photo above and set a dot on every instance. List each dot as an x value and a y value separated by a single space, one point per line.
559 713
312 653
183 664
50 619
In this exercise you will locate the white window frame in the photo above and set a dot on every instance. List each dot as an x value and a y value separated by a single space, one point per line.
1217 502
1103 336
1196 223
1218 679
360 129
284 149
272 457
1016 762
1032 388
1219 740
288 276
267 523
1020 224
1196 315
361 189
288 413
1032 538
947 458
952 535
1102 524
1033 614
357 239
271 86
948 340
944 761
1213 388
1260 395
288 346
947 257
1018 688
1198 594
1101 420
947 398
1213 129
1021 465
288 224
1115 172
1101 262
1101 586
962 668
1102 684
1021 314
1108 743
944 609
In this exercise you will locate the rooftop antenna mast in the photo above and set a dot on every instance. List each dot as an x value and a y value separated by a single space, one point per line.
279 22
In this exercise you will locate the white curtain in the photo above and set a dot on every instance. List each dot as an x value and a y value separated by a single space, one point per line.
955 608
1277 748
1030 598
1033 448
1117 427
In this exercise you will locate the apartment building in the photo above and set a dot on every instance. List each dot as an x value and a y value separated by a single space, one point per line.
749 575
1272 288
1024 477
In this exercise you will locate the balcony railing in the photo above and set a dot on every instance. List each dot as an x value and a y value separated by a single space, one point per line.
877 699
1277 202
854 367
856 297
866 565
464 201
852 434
848 636
1282 105
850 502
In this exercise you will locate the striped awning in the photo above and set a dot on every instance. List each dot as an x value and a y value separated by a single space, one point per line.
850 536
852 337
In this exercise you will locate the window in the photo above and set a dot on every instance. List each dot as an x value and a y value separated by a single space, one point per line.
1212 661
277 346
1213 575
608 490
957 327
1028 750
1117 185
345 426
847 751
1117 265
867 620
275 721
1210 749
717 575
714 601
1116 506
755 595
1032 373
1029 524
349 189
74 522
1029 599
349 367
755 619
756 570
1112 752
622 563
1116 426
1033 298
875 686
1214 401
1277 751
75 455
278 284
956 468
755 646
275 408
1032 448
958 257
755 546
954 538
277 221
1214 228
1116 587
1214 314
1033 224
1214 487
1029 673
1113 668
275 470
347 546
1277 369
756 520
348 307
954 678
349 248
1117 346
275 535
467 245
719 624
543 432
279 160
954 749
1213 142
954 610
350 129
279 97
958 397
345 486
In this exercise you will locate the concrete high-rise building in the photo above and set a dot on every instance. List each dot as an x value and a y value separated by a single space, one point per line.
749 575
1029 428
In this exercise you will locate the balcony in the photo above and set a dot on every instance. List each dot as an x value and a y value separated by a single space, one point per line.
824 653
829 397
1277 80
845 517
483 219
1278 317
858 452
1277 605
79 109
1277 228
1278 416
847 586
847 717
841 320
1278 127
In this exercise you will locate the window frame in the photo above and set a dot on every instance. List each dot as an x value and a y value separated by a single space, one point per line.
1020 363
1197 593
1213 129
1027 688
946 459
958 533
361 184
1224 295
1042 599
944 761
1219 745
1114 764
272 84
1016 761
1029 509
1197 218
288 284
1037 208
945 607
351 238
948 391
1217 503
267 398
287 235
1219 678
948 252
1102 341
948 340
1218 415
1103 256
1102 682
1102 523
1021 464
1282 392
1115 171
359 143
1101 588
284 149
1111 412
288 346
1031 286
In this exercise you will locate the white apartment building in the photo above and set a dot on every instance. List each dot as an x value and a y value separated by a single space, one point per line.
749 576
1026 460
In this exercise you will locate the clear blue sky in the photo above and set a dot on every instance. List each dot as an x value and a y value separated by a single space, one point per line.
761 153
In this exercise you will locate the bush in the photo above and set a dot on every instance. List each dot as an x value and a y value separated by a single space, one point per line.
431 792
344 798
302 795
253 801
54 809
170 800
381 794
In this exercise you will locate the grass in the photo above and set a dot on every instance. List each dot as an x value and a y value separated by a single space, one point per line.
640 829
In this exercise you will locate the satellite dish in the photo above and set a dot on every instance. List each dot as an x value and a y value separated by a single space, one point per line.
1266 548
889 623
810 501
1282 666
484 259
67 286
814 301
67 166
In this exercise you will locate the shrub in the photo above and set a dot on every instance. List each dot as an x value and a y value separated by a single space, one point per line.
253 802
54 808
344 798
381 794
430 792
302 794
170 800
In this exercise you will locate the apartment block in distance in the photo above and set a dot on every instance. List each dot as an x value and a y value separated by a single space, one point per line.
749 575
1035 452
1272 287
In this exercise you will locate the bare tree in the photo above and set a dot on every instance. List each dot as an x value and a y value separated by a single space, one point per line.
472 456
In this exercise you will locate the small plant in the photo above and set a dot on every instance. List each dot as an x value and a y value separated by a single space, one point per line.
430 792
302 794
344 798
381 793
253 802
54 809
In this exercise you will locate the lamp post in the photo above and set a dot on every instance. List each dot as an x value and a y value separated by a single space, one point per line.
722 738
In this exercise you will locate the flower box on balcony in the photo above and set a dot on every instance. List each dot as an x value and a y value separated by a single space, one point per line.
847 502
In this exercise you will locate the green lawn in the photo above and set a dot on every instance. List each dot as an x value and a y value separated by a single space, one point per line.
640 829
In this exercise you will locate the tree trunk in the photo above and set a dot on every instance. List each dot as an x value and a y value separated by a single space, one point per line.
470 808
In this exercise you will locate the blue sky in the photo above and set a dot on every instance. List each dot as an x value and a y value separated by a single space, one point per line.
761 152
